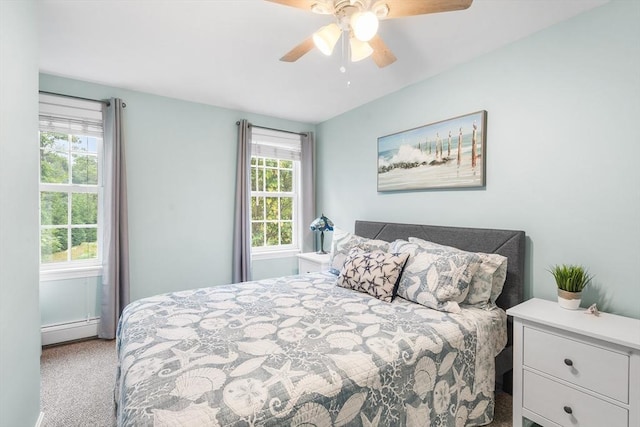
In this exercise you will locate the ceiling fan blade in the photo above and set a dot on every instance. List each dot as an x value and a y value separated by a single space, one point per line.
381 55
297 52
300 4
400 8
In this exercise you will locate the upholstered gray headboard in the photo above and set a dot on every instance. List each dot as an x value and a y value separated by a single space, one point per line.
509 243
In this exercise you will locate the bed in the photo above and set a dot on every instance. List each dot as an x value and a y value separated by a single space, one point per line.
300 350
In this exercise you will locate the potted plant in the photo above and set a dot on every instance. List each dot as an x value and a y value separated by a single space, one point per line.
571 280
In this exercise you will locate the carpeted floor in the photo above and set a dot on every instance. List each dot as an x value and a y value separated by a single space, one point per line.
77 384
78 381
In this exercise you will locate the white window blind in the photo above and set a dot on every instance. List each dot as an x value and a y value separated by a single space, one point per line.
70 115
275 144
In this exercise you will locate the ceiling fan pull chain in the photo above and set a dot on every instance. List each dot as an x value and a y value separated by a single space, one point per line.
345 57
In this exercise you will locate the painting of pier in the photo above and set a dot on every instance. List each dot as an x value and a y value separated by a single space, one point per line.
445 154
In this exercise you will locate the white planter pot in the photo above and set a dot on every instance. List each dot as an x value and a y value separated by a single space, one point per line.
569 300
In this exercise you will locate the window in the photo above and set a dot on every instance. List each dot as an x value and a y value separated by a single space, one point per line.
70 184
275 191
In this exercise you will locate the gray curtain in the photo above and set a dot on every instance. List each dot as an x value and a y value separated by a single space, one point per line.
115 274
308 191
241 224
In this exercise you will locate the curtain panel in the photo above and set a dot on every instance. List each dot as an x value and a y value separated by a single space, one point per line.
115 275
308 191
241 223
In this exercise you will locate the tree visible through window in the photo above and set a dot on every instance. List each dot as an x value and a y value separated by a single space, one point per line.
69 178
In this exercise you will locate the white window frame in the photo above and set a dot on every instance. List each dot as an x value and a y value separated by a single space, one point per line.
81 119
267 138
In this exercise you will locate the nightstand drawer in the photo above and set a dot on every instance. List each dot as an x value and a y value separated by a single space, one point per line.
595 368
567 406
306 266
312 262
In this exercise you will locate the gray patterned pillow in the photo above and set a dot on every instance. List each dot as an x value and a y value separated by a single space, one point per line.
487 282
343 241
375 273
435 278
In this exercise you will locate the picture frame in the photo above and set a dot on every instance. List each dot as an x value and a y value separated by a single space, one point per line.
447 154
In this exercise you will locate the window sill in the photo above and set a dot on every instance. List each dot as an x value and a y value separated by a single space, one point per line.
290 253
49 275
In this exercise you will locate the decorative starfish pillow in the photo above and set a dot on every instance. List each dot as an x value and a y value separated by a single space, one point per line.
375 273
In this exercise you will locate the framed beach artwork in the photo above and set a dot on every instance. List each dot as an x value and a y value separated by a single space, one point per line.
445 154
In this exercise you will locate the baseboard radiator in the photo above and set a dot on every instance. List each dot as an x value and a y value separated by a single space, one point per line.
54 334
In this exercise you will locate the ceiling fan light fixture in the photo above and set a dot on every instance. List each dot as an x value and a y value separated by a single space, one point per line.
364 25
359 49
326 38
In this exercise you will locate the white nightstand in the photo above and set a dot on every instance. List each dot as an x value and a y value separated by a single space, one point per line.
312 261
574 369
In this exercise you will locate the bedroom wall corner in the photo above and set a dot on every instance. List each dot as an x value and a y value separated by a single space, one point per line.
19 313
181 160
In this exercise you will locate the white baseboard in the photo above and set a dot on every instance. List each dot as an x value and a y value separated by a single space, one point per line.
53 334
40 418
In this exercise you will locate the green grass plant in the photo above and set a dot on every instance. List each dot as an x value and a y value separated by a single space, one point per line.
571 278
85 250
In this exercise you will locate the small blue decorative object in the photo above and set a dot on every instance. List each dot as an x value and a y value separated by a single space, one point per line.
321 224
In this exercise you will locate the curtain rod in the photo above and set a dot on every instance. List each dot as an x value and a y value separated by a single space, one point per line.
80 97
277 130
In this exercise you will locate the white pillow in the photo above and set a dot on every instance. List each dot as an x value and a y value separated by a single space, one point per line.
343 241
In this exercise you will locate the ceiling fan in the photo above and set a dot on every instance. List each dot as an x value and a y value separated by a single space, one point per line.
358 21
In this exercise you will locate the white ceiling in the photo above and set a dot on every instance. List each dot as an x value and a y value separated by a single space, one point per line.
225 52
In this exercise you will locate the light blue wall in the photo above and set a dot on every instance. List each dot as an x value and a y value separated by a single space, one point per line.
70 300
181 160
274 267
563 154
19 316
561 162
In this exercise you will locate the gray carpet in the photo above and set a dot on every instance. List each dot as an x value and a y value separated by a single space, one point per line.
77 384
78 381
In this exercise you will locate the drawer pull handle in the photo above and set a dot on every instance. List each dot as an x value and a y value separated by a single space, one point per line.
568 410
568 362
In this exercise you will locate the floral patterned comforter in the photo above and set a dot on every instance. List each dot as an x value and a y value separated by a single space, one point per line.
300 350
